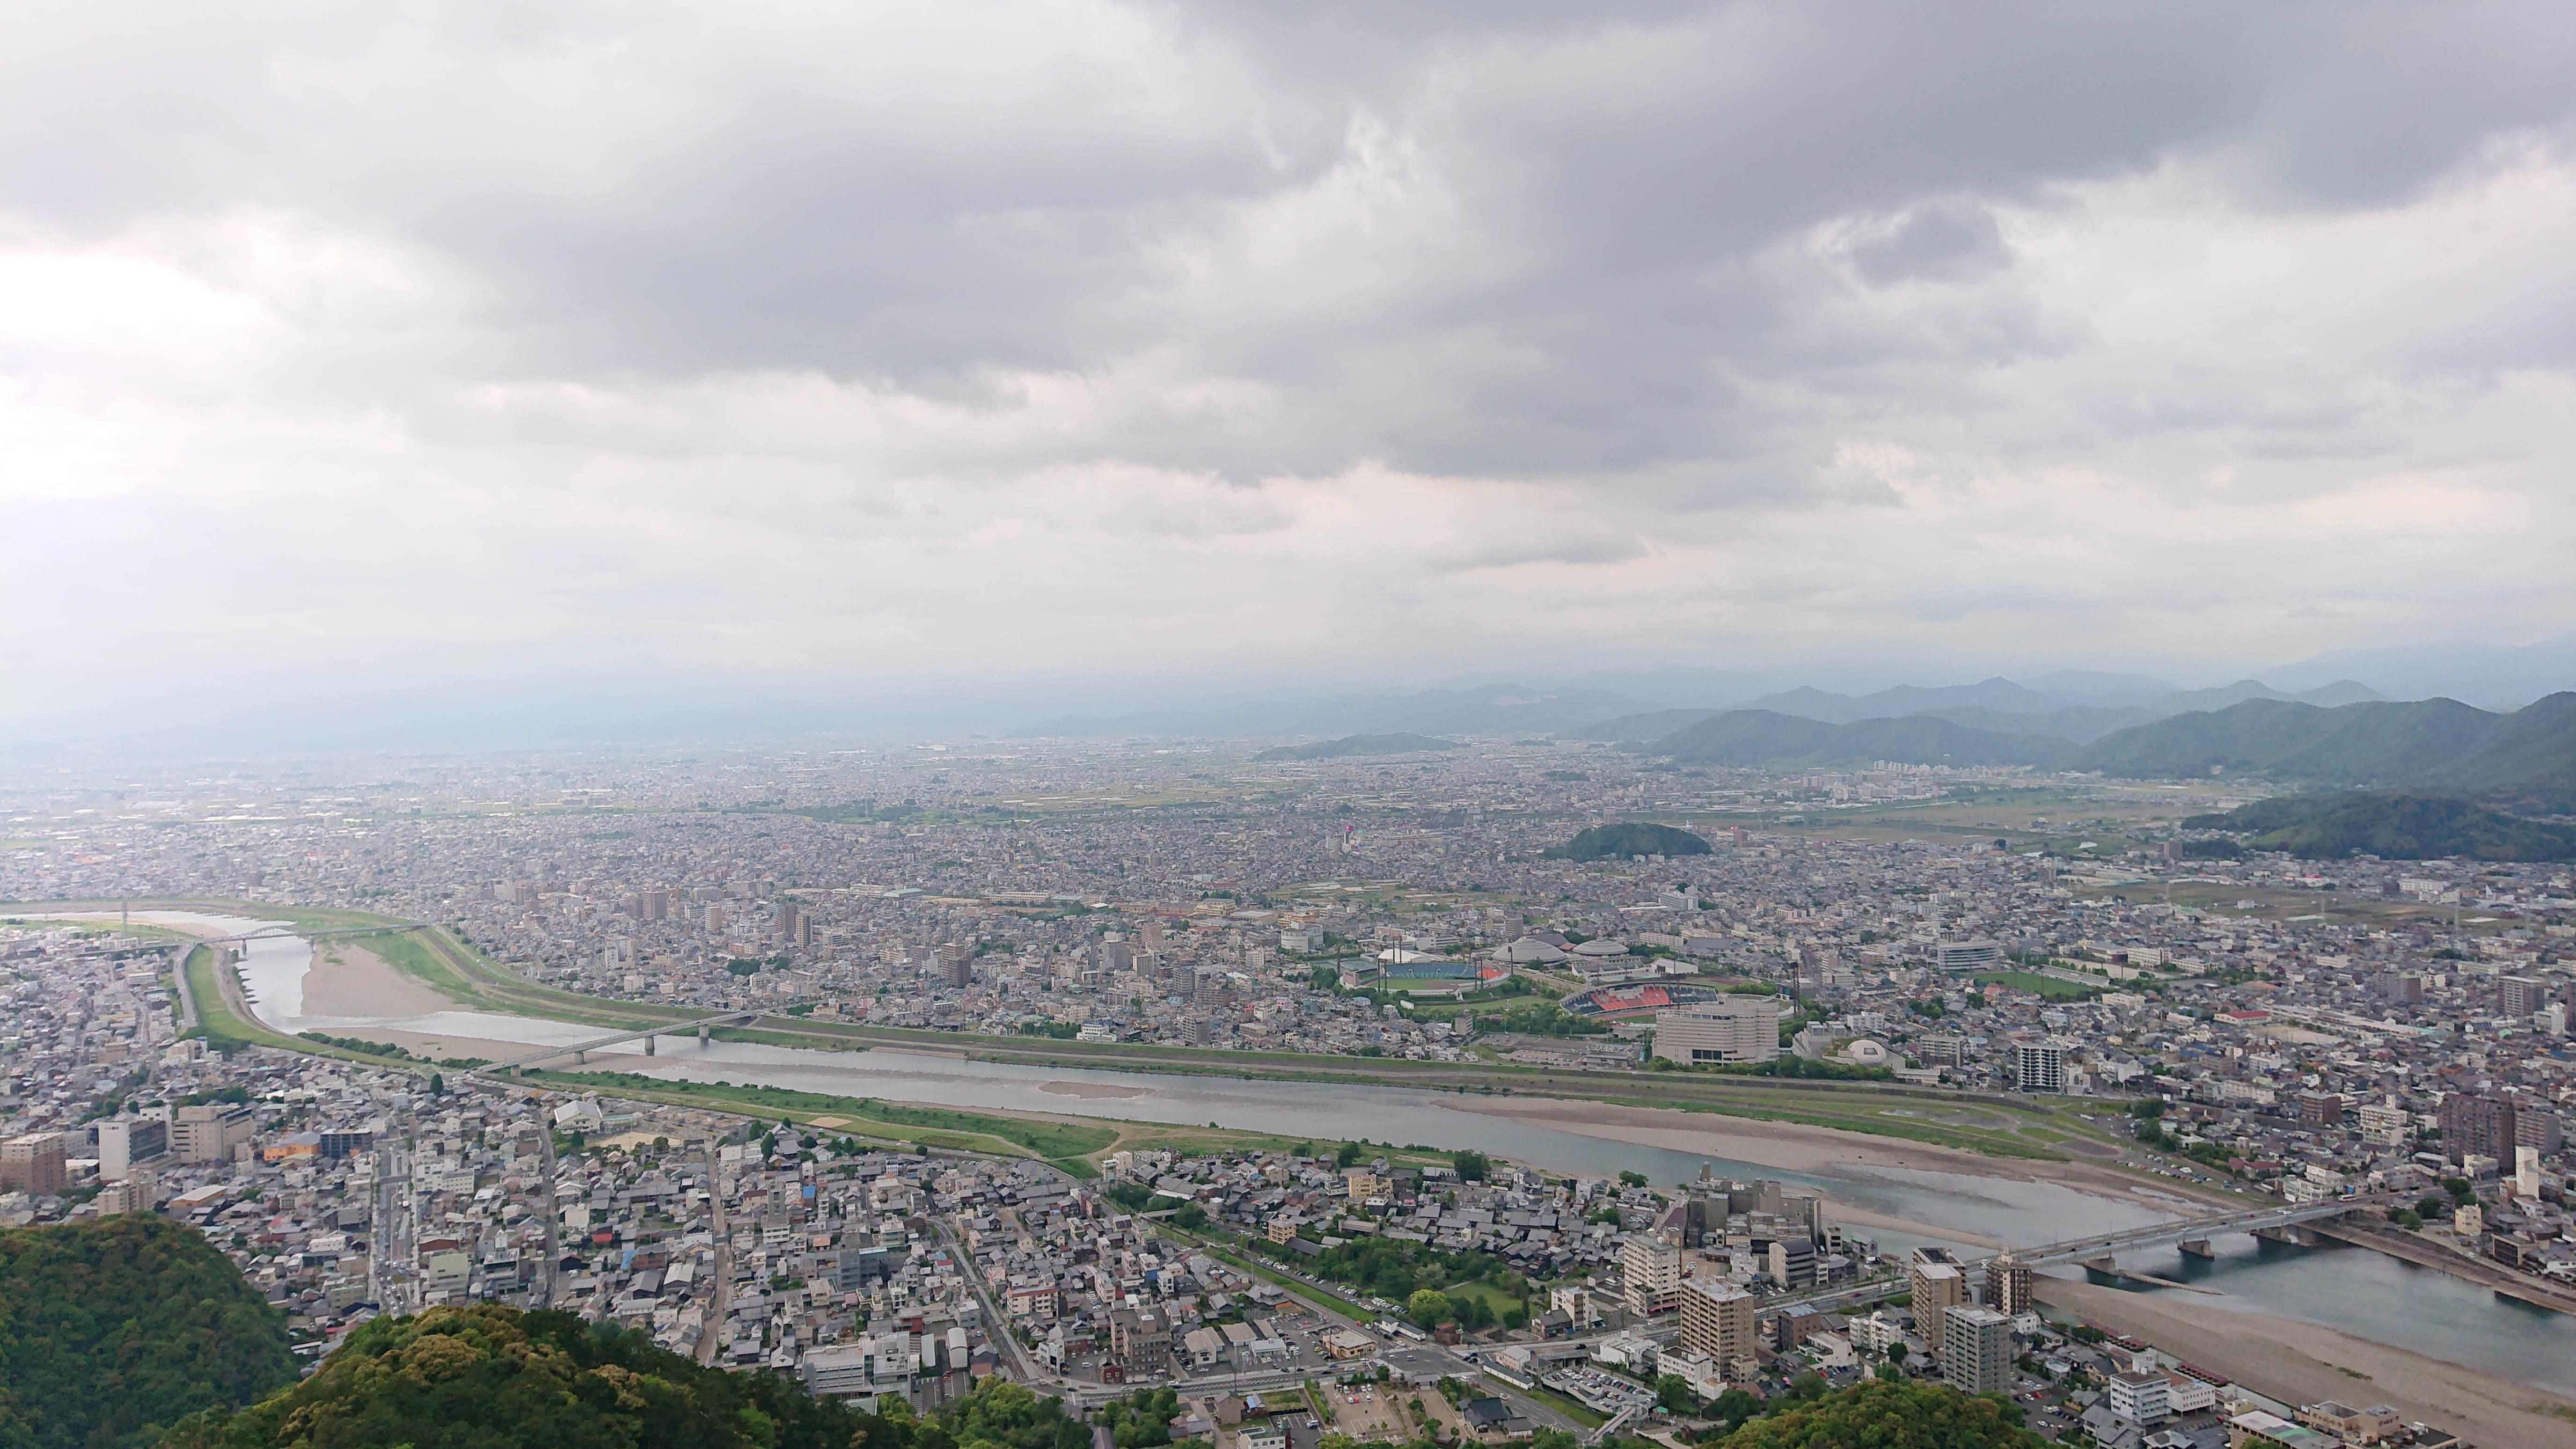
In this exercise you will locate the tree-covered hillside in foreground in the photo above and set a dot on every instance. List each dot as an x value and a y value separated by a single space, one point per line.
484 1376
2390 826
1890 1414
112 1330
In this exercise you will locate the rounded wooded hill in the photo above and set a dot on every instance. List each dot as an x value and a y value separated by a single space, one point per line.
114 1329
1617 842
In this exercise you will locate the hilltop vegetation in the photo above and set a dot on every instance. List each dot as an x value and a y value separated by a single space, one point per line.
1348 745
2391 826
483 1376
112 1330
1618 842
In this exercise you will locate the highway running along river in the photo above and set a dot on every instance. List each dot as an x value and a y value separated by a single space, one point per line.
2354 1290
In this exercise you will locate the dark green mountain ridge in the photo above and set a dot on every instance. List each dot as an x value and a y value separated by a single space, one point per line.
2392 826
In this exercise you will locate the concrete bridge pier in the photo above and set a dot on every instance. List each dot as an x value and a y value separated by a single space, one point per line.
2294 1236
648 1046
581 1058
702 1036
2197 1248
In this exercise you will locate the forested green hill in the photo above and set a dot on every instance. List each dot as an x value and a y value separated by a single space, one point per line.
114 1329
2392 826
483 1376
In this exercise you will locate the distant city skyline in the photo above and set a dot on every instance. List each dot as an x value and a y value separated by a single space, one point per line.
782 367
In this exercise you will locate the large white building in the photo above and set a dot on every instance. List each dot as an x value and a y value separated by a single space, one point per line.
1967 955
2039 1066
2140 1398
1729 1029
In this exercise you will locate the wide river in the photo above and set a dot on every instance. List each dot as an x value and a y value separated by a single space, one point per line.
2352 1289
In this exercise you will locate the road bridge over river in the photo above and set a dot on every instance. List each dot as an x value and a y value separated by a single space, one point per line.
2280 1222
580 1051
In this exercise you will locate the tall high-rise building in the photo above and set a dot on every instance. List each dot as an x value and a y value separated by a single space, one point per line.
953 965
1717 1320
2039 1066
2537 1128
2522 995
1976 1350
1938 1286
1651 1262
2008 1286
2477 1126
33 1163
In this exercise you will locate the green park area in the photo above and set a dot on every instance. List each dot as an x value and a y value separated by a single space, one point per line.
2047 986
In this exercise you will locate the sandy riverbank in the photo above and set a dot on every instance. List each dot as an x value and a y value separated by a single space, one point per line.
2301 1363
347 979
1796 1147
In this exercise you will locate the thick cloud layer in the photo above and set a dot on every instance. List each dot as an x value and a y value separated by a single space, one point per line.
928 343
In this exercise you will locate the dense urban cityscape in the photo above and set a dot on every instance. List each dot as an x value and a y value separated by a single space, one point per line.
2243 1027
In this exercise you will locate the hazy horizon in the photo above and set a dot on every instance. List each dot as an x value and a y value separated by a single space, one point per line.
507 370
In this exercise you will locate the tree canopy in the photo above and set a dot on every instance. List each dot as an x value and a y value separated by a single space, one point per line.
114 1329
1890 1414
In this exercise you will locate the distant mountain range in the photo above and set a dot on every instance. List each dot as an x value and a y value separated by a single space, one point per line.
1756 737
2524 761
2089 707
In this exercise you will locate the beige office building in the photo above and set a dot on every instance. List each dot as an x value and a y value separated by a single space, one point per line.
1652 1265
1717 1320
33 1163
1729 1029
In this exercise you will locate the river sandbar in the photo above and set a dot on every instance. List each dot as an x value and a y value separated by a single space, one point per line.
347 979
1797 1147
2301 1363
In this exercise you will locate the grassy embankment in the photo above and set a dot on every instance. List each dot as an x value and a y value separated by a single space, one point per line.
1067 1145
227 1031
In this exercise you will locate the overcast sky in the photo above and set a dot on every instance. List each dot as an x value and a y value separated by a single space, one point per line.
902 345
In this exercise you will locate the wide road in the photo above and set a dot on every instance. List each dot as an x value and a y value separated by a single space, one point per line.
720 1300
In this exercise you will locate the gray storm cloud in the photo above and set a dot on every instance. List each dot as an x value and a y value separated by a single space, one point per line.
906 342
